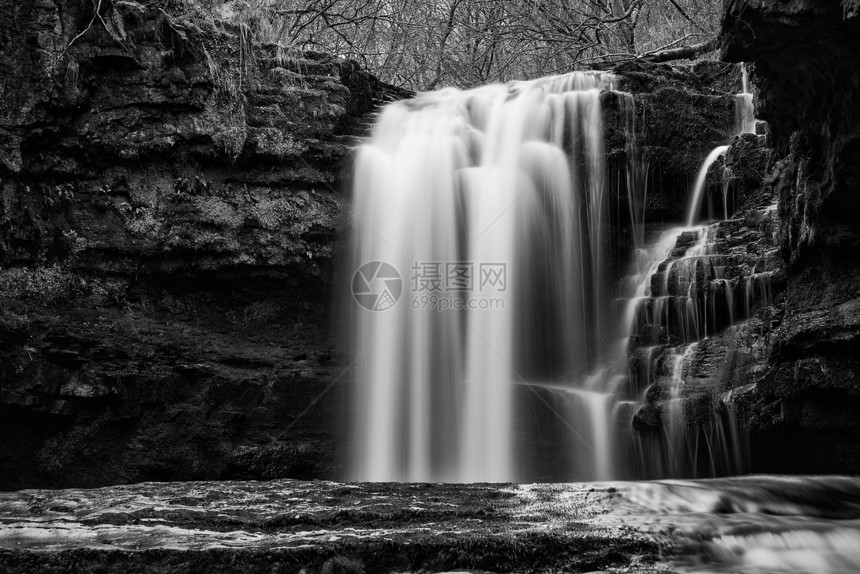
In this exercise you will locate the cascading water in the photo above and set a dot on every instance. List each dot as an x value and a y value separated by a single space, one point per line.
486 212
683 300
744 110
701 179
745 123
636 171
492 200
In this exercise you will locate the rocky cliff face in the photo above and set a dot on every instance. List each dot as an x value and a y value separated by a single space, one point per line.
171 197
805 412
659 123
773 375
667 119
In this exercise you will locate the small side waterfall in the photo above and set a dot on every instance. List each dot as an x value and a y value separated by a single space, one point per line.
744 110
636 172
745 123
683 300
701 180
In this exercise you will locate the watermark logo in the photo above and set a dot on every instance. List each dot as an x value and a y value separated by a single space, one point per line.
458 285
377 286
435 285
458 277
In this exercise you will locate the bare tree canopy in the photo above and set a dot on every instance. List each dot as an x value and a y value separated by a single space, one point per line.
426 44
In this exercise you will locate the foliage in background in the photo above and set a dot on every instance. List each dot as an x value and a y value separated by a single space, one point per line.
425 44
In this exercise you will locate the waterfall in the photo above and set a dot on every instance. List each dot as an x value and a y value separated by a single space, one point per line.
683 298
745 123
636 171
487 332
744 109
486 209
681 301
701 180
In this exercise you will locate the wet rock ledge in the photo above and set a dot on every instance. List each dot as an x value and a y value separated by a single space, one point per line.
291 526
749 524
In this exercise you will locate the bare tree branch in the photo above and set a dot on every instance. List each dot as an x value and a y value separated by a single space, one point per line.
683 52
684 14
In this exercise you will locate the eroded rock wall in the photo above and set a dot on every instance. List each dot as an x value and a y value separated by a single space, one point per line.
677 115
171 198
805 414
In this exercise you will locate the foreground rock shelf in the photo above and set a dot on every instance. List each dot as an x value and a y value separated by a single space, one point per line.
292 526
288 525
